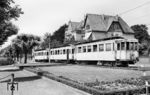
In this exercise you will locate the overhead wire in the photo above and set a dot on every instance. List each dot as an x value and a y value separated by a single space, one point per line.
134 8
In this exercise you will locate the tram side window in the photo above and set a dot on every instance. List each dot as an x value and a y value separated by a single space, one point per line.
118 46
89 49
58 52
94 48
72 51
64 51
108 47
122 45
55 52
79 49
128 46
101 47
84 48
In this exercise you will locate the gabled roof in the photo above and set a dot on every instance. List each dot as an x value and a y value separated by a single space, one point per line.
87 35
74 25
103 22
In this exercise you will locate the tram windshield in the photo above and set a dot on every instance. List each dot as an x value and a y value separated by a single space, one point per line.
127 46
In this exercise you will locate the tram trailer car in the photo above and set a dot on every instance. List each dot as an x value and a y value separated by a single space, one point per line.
41 55
113 51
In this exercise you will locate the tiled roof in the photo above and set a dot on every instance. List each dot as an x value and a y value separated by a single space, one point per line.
103 22
74 25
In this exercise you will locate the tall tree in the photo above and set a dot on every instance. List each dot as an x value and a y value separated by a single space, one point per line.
59 34
27 42
141 32
54 40
8 12
46 41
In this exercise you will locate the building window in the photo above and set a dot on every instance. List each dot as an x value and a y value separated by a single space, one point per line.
94 48
101 47
108 47
89 49
87 26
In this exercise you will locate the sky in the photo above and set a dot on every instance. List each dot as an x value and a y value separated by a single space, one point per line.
41 16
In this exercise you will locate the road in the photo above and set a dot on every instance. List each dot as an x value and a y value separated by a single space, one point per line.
31 84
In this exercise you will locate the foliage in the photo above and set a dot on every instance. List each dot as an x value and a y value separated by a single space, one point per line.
59 34
141 33
25 43
6 61
46 41
56 39
8 12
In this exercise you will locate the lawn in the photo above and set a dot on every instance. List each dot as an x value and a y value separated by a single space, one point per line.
91 74
88 73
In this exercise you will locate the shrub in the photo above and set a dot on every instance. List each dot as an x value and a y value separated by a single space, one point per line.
6 61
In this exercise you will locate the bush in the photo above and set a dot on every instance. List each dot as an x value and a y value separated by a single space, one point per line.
6 61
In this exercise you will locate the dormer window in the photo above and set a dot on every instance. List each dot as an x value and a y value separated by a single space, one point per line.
87 26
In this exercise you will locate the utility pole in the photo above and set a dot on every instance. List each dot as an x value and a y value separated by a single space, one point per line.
49 48
12 85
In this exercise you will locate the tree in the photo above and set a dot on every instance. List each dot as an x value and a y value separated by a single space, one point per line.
17 48
27 42
46 41
56 39
59 34
8 12
141 33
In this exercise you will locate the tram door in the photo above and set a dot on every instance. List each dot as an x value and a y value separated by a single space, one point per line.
67 55
121 51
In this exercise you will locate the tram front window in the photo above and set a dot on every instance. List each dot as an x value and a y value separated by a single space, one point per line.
136 46
131 46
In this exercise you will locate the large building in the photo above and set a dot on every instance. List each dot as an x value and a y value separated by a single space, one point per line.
95 27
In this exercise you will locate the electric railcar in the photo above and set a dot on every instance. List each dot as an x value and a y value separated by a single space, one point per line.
113 51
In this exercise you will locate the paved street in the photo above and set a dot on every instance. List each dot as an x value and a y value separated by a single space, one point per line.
31 84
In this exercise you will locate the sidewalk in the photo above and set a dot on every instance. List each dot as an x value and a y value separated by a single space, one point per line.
8 68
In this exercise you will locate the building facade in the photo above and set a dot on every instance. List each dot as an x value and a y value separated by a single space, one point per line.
96 26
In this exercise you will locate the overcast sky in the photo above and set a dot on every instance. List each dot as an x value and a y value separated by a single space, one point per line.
41 16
